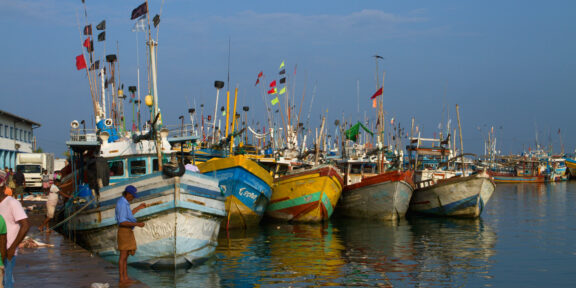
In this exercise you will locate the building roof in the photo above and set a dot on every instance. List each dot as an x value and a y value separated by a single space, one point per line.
20 118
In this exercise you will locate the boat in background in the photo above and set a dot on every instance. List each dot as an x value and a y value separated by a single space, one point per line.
519 170
247 187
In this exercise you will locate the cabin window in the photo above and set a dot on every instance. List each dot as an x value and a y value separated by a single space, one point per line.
137 167
155 167
116 168
1 130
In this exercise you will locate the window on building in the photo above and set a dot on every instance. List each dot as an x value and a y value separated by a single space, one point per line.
21 135
29 137
137 167
6 131
116 168
11 132
1 130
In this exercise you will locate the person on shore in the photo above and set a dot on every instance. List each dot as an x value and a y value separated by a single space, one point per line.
45 182
20 183
126 223
17 227
3 241
54 192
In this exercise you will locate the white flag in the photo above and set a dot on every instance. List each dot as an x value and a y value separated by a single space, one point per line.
139 25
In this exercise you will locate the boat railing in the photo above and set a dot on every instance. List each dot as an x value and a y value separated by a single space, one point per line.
81 134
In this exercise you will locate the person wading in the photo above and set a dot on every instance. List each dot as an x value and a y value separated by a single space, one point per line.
126 223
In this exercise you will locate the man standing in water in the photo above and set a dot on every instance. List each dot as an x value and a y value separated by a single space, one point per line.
17 227
126 223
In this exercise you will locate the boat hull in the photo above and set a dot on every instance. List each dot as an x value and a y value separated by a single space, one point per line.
508 178
247 187
384 197
456 197
571 165
182 220
307 196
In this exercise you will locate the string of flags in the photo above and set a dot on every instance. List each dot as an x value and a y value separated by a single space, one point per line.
138 13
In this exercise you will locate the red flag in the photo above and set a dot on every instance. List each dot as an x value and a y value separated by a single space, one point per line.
80 62
272 91
378 93
87 43
260 74
257 81
273 83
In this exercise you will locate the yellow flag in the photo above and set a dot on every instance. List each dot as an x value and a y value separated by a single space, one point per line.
282 91
274 101
281 65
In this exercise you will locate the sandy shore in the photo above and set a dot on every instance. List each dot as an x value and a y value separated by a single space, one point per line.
63 265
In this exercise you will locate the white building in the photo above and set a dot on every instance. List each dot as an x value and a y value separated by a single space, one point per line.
16 136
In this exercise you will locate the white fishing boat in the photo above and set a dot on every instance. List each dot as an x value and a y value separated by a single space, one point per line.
183 208
446 185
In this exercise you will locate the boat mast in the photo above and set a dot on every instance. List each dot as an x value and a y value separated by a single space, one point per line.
461 143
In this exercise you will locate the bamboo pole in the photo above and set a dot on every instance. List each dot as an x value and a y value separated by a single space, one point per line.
461 143
233 121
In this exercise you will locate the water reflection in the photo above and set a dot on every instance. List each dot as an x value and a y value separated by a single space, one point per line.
304 254
452 252
378 253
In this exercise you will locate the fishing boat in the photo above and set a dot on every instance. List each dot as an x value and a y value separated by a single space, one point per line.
519 170
370 194
304 194
571 165
183 209
183 214
247 187
382 196
459 196
439 190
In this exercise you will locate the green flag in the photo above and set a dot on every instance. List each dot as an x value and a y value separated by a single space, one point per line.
352 133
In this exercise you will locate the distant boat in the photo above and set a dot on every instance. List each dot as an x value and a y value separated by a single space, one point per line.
520 170
247 187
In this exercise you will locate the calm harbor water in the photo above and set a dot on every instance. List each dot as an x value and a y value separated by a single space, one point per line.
525 238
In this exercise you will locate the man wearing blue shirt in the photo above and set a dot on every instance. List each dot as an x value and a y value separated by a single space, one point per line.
126 223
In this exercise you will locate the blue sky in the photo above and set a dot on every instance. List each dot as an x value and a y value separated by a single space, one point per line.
508 64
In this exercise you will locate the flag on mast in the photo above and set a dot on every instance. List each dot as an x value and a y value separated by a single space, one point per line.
80 62
378 93
139 11
281 65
